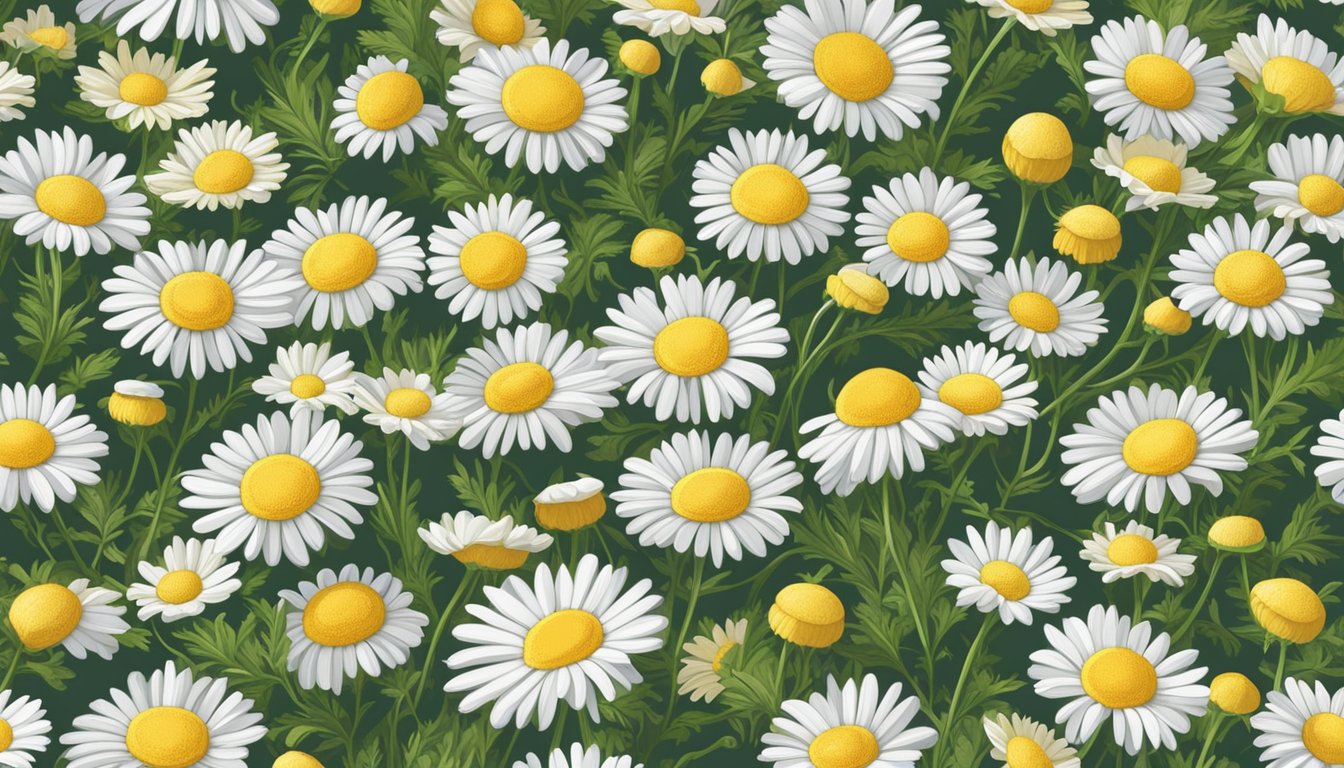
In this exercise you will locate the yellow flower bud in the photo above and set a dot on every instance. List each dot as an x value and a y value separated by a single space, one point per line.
1237 533
853 288
336 9
1037 147
1234 693
808 614
722 77
1164 316
296 759
641 57
1088 233
137 403
1288 609
657 248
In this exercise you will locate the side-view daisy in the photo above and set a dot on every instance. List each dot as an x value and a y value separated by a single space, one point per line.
25 730
193 575
79 618
577 757
38 30
982 384
309 376
241 21
1123 553
499 545
46 450
1292 64
16 90
1038 308
405 401
1044 16
570 505
701 667
219 164
679 17
381 107
146 89
1308 184
1329 446
1154 173
471 25
1300 726
1006 572
1021 742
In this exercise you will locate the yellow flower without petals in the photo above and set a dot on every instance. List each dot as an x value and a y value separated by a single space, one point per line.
1237 533
296 759
655 247
641 57
1088 233
1234 693
1288 609
808 615
1165 317
722 77
1038 148
336 9
853 288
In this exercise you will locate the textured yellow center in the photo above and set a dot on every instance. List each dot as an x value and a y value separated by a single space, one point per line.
222 172
1132 549
971 393
769 194
853 66
1034 311
1160 447
44 615
1320 194
296 759
142 88
1323 736
6 735
306 385
844 746
51 37
24 444
72 200
1006 578
711 495
340 9
197 301
178 587
919 236
877 397
339 262
562 638
279 487
542 98
1031 6
1304 88
1023 752
345 613
168 737
1119 678
499 22
493 260
717 663
1159 81
519 388
389 99
407 403
1160 175
1249 278
685 6
691 346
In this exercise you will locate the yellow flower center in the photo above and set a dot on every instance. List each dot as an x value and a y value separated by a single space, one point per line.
499 22
1160 447
717 663
168 737
6 735
971 393
72 200
1160 175
341 9
1236 531
711 495
345 613
691 346
339 262
44 615
279 487
685 6
197 301
919 237
562 638
844 746
389 99
1320 194
542 98
1031 6
494 556
1023 752
179 587
1034 311
1249 278
223 171
519 388
853 66
296 759
877 397
769 194
24 444
1304 88
1159 81
51 37
493 260
1006 578
1323 736
407 403
142 88
307 385
1132 549
1119 678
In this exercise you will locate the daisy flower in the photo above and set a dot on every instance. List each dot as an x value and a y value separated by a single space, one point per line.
219 164
496 260
542 104
930 233
1329 446
241 21
276 488
477 540
16 90
983 385
146 89
701 669
1301 726
197 303
1024 743
1308 184
766 195
46 451
570 505
491 24
656 18
1044 16
565 637
1146 81
405 402
1039 309
381 107
62 195
1237 275
1123 553
25 729
38 30
725 495
308 376
578 758
1109 667
1138 445
79 618
1292 64
1005 572
1154 173
693 355
347 622
352 258
862 65
193 575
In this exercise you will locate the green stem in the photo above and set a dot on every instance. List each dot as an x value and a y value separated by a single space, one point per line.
69 540
1208 739
55 317
1028 194
152 531
1214 338
779 667
971 655
951 117
1203 596
13 667
303 54
803 358
463 586
1283 658
697 577
886 490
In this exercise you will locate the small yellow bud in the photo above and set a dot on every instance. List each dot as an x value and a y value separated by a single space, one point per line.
641 57
657 248
1234 693
853 288
1038 148
1164 316
722 77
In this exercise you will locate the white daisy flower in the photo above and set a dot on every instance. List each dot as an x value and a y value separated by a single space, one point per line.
1154 172
862 65
725 495
1024 743
679 17
1236 275
765 194
692 356
60 194
1044 16
170 718
25 730
16 90
1108 668
491 24
352 258
1146 81
1301 726
477 540
79 618
406 402
1123 553
563 638
219 164
308 376
1290 63
1329 446
578 758
38 30
1039 309
880 423
1138 445
570 505
347 622
1308 184
701 668
199 303
1005 572
927 232
241 21
193 575
982 385
46 451
854 725
542 104
277 488
146 89
381 107
496 260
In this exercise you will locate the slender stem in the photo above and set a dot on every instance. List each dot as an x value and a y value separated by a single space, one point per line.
951 117
1245 580
135 465
152 531
1203 596
303 54
463 586
1138 599
1283 658
13 667
779 667
1028 194
55 317
1214 726
69 540
971 655
1252 362
697 577
886 490
804 358
1212 344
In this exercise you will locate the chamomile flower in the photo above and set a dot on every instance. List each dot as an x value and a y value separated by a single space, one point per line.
241 21
219 164
1154 173
1044 16
565 637
1292 64
709 496
701 668
471 25
1237 275
570 505
16 90
353 258
983 385
1005 572
60 194
25 730
1308 184
275 489
1039 309
1329 446
193 575
1301 726
406 402
678 17
765 194
578 757
308 376
864 66
477 540
46 450
692 357
145 89
38 30
1123 553
382 108
346 622
927 232
79 618
542 104
1024 743
1139 445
